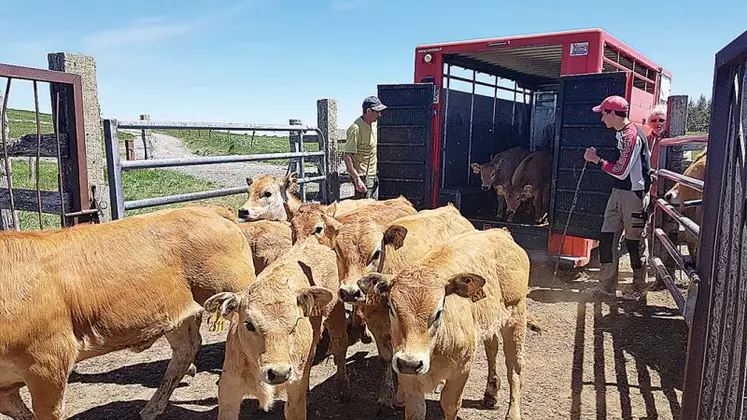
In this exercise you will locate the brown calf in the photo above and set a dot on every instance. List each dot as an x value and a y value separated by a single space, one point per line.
471 289
275 327
76 293
268 239
387 251
680 194
498 171
268 197
308 221
530 181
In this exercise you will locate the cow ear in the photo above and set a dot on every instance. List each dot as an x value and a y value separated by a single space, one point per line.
395 235
307 271
290 180
331 209
314 301
225 302
375 284
467 285
331 225
249 181
220 306
475 168
289 211
499 190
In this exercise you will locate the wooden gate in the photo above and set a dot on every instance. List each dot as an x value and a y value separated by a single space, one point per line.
717 354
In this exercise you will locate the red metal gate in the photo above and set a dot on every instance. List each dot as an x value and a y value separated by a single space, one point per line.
717 355
67 144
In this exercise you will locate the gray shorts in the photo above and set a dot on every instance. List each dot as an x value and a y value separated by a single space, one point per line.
625 211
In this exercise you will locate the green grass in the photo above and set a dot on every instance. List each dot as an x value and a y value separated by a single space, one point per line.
215 143
139 184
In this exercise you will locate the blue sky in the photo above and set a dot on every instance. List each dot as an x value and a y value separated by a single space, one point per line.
265 61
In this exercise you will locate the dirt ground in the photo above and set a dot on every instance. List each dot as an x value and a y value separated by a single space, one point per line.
592 361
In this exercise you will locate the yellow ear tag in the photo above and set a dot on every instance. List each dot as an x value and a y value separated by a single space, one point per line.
216 322
478 294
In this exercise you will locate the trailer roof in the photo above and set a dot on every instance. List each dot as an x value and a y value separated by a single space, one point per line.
535 55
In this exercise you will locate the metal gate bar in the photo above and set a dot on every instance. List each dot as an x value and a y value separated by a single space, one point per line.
115 165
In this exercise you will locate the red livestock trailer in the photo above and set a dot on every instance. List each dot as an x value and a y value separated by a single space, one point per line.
473 99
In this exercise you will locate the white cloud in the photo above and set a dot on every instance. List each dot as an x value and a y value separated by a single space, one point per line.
148 30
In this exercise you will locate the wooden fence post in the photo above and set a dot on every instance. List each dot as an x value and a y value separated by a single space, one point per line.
326 116
85 67
145 135
6 216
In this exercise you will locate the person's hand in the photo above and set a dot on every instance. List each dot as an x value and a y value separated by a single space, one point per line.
360 186
591 155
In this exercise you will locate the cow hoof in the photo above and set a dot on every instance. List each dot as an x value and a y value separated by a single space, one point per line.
489 401
192 371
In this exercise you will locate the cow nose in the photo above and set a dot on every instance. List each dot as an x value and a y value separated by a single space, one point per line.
278 374
409 367
509 211
350 294
485 187
243 214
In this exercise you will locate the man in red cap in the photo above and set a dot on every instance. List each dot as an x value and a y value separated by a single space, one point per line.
625 206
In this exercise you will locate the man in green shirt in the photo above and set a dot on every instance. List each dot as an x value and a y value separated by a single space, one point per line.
360 150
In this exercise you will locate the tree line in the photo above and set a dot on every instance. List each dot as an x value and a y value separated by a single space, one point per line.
699 114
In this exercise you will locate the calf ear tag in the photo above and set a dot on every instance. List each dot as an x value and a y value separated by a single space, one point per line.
216 322
478 294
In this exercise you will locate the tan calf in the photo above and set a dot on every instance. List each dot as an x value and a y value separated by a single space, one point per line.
308 221
76 293
274 330
387 250
268 239
471 289
269 195
679 194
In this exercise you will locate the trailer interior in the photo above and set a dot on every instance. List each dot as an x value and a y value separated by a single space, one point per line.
493 101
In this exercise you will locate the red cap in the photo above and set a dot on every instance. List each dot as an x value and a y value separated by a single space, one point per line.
612 103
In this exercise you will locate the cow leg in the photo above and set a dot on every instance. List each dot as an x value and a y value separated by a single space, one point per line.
185 341
295 406
501 208
230 394
12 406
338 337
490 399
414 397
47 388
380 330
451 395
513 350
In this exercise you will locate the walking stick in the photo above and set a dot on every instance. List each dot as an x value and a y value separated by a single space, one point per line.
570 212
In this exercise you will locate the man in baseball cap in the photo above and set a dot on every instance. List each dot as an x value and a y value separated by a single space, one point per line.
626 203
360 150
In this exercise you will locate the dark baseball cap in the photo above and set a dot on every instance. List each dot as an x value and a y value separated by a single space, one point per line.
373 103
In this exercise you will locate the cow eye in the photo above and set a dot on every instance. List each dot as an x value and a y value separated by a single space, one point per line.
249 326
318 230
436 317
375 256
267 194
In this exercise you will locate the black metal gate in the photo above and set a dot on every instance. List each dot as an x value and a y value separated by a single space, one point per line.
717 357
404 143
578 127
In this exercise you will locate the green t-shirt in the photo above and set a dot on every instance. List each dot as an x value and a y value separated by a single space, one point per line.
361 144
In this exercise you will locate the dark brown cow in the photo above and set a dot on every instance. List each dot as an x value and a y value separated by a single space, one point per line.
531 181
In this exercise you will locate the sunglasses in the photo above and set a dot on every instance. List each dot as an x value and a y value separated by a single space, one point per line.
660 120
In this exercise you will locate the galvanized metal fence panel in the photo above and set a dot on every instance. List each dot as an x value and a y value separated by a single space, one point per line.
115 165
